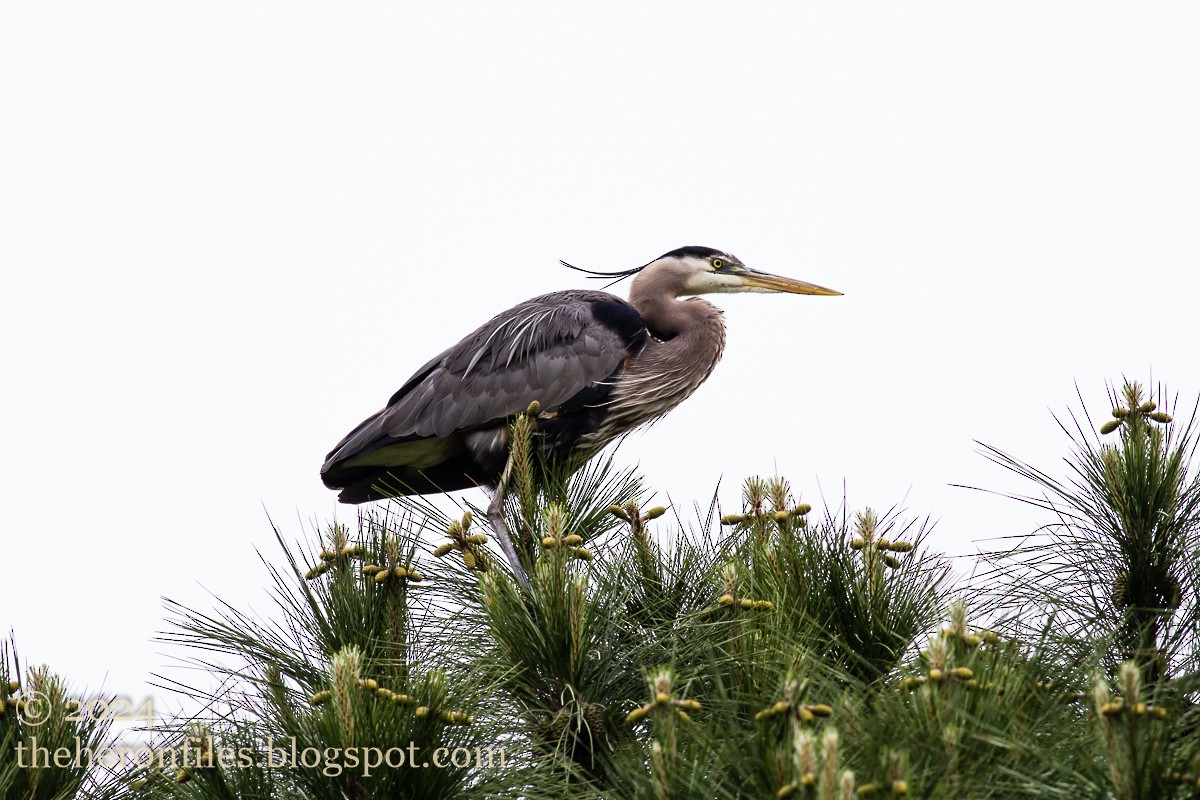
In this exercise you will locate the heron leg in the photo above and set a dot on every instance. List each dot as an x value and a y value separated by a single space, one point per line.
495 515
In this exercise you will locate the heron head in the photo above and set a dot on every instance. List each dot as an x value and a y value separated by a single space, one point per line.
703 270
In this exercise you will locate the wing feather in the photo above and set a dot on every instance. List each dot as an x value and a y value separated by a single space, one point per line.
546 349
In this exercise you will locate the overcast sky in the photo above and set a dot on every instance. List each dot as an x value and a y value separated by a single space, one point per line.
229 230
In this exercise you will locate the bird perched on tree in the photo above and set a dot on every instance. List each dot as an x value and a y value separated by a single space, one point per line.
597 365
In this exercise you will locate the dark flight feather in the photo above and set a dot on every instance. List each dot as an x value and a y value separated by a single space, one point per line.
561 349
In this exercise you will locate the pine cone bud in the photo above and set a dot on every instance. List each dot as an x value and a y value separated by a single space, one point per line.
636 715
619 513
1120 591
1110 426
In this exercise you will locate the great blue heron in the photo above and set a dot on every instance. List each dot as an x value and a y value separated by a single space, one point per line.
599 367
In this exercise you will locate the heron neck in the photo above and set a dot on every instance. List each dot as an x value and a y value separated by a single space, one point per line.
668 317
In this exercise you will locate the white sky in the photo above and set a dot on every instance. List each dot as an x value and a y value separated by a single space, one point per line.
230 230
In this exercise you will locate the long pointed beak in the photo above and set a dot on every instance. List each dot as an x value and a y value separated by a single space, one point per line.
778 283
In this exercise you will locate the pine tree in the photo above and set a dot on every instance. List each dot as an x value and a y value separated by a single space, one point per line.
767 653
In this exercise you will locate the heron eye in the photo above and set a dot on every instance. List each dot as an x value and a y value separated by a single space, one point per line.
718 263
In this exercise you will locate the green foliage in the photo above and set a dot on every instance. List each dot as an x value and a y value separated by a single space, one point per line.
857 596
44 725
769 653
1123 550
1118 576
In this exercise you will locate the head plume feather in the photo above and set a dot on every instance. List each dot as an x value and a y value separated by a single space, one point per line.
612 277
694 251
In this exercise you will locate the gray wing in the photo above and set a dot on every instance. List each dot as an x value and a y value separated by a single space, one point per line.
546 349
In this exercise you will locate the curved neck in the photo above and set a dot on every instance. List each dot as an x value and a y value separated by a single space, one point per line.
667 316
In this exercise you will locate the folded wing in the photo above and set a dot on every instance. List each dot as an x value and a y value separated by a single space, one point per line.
556 349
